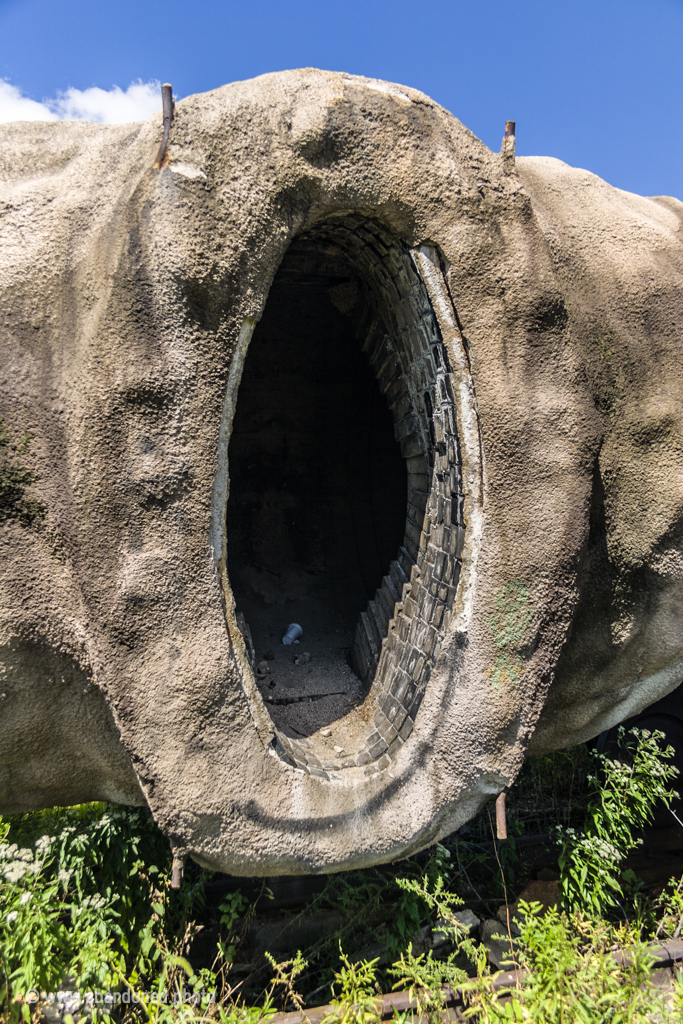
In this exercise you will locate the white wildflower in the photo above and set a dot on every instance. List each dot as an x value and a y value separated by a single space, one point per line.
25 898
95 902
12 916
13 853
15 871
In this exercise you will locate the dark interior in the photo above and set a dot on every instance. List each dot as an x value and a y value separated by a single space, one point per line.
318 487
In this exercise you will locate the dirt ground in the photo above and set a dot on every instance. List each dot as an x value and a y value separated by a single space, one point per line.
309 685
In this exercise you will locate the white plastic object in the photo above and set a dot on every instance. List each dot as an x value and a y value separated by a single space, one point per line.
294 631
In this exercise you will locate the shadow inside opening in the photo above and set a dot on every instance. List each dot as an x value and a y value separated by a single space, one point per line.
318 488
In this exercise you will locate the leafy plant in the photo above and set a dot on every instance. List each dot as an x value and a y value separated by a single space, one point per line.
571 974
374 907
354 993
416 900
85 894
424 976
620 804
88 902
670 908
284 978
230 909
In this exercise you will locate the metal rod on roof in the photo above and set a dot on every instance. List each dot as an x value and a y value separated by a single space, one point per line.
508 148
168 107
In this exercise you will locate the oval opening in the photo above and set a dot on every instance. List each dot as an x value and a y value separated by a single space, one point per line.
318 488
343 437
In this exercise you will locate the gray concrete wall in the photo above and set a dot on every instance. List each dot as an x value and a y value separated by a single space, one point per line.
542 599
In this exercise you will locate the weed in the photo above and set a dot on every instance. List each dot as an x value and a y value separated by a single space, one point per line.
354 993
571 975
83 903
592 879
85 895
424 976
669 908
284 978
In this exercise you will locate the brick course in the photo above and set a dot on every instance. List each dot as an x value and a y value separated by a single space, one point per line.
398 637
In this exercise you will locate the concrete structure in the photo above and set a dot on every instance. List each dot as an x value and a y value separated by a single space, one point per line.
336 363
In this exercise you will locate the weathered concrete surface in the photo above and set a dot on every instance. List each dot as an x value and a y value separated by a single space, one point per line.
125 293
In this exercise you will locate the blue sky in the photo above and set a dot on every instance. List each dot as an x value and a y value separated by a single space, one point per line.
598 83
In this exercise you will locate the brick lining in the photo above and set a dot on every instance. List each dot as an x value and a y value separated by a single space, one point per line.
398 637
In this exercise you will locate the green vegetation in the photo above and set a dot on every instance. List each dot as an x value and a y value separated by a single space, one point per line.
619 807
85 899
14 481
605 343
572 975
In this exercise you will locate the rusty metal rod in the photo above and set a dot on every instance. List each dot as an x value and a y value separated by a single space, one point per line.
168 106
508 147
177 872
501 822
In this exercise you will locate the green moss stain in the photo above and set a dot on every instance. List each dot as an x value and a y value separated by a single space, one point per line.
508 624
15 503
605 345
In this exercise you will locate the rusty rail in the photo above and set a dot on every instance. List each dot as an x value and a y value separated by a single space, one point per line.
666 955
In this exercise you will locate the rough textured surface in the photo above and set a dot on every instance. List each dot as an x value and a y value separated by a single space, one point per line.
553 465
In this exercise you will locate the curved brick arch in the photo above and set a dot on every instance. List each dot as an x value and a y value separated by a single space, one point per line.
398 637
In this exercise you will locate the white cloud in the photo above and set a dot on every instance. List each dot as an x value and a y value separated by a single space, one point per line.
104 106
15 107
112 106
